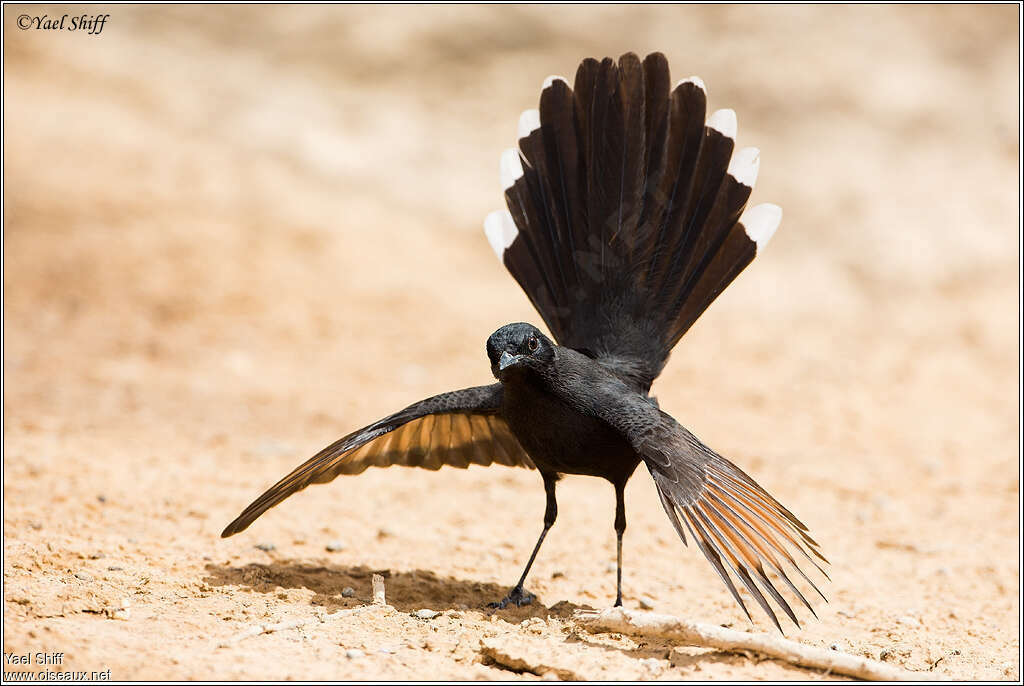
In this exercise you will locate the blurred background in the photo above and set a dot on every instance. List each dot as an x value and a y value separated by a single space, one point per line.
233 234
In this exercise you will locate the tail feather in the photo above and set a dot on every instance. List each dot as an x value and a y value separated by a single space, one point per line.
541 184
698 235
559 155
634 156
686 134
525 246
628 209
657 102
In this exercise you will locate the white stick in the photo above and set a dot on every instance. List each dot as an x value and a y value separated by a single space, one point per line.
378 589
651 625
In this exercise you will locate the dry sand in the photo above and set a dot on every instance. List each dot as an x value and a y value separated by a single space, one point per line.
233 234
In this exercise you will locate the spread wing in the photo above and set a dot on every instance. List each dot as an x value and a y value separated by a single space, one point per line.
459 428
738 526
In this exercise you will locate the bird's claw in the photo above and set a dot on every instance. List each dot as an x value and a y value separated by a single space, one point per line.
518 596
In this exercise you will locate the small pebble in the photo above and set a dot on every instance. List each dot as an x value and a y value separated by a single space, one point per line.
385 532
556 574
834 646
348 592
124 612
84 576
101 498
353 653
335 547
646 603
35 525
884 655
610 567
115 568
266 547
426 614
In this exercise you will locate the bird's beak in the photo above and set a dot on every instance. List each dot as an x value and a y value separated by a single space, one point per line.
507 360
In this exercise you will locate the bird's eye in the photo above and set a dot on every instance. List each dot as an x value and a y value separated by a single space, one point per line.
533 344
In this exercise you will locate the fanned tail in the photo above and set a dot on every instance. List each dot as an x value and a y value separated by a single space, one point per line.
626 210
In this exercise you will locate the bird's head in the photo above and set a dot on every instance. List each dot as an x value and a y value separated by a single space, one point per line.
517 347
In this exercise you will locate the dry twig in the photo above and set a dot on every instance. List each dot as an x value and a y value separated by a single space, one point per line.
652 625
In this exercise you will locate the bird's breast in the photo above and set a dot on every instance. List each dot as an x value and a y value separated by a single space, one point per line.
560 438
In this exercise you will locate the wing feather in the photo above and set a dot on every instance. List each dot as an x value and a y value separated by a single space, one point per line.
742 531
738 527
458 429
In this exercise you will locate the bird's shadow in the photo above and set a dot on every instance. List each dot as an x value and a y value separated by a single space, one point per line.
406 591
417 589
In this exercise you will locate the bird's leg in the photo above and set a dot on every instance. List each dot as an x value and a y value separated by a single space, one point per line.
519 596
620 528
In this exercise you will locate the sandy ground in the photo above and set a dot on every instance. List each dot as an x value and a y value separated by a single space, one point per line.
232 235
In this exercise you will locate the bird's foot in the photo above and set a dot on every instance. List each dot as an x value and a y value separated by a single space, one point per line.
518 596
618 602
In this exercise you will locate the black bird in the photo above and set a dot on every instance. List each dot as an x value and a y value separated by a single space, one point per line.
625 221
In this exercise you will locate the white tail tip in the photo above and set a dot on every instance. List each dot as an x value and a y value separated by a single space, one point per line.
551 79
761 221
744 166
500 231
529 121
723 121
695 80
511 168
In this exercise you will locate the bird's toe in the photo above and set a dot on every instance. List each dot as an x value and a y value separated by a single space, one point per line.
518 596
